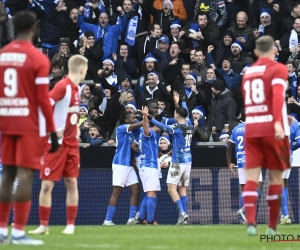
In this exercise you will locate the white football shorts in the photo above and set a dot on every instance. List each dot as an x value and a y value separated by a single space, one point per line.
150 179
242 176
124 176
179 174
286 173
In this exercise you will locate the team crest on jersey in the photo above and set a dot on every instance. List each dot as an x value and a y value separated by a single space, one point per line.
47 171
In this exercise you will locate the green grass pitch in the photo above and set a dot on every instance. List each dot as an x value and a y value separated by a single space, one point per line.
187 237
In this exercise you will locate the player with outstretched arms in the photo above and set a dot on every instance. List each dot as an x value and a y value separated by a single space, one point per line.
25 120
65 162
266 132
179 171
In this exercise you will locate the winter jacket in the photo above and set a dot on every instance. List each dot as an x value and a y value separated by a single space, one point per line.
110 32
222 110
178 8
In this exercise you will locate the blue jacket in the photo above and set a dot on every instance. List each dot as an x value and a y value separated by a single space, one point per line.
112 32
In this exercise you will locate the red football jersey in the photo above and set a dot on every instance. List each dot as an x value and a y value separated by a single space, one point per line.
259 88
24 85
66 100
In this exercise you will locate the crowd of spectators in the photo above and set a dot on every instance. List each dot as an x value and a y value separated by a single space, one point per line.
196 48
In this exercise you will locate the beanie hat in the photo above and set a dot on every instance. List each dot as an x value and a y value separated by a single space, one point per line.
150 57
198 110
264 12
175 23
82 87
194 27
131 105
110 61
121 78
169 2
193 75
165 137
219 85
223 135
64 40
229 33
84 106
238 44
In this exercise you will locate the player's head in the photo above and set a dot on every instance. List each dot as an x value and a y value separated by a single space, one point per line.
265 47
78 65
24 23
180 113
152 106
127 118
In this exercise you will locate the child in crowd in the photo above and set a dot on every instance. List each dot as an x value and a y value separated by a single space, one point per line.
165 151
94 138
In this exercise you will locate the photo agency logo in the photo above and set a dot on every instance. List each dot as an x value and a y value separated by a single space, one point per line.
279 238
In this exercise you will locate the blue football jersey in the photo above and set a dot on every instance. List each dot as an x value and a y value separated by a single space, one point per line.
149 149
182 138
294 135
237 137
124 138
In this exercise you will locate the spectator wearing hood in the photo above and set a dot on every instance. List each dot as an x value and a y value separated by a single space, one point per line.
93 52
164 150
163 17
231 78
223 50
222 107
124 63
178 8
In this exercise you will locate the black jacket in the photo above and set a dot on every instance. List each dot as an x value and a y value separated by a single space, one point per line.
222 110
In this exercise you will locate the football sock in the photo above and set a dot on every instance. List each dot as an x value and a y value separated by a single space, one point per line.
184 202
241 200
274 202
44 215
4 216
284 201
22 210
250 199
143 208
71 214
132 212
110 213
179 206
151 205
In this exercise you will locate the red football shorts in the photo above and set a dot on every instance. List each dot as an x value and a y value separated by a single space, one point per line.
22 151
62 163
267 152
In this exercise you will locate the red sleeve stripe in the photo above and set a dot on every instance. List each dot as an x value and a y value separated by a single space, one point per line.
278 81
42 80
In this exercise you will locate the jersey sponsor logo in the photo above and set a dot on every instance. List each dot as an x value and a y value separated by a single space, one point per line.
14 111
13 101
13 59
255 70
73 109
259 119
256 109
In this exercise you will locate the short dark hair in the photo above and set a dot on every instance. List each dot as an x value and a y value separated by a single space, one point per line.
175 43
161 99
24 21
150 101
198 50
56 65
182 112
152 26
186 64
290 62
202 13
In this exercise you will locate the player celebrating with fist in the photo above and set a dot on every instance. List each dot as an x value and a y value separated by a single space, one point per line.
266 132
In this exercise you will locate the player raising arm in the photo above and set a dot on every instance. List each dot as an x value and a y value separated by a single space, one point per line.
266 132
179 171
25 119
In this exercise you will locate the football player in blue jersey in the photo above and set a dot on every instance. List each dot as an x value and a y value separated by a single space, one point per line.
237 140
179 171
124 174
149 170
294 136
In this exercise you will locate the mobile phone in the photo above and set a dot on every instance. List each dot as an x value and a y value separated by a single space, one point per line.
226 126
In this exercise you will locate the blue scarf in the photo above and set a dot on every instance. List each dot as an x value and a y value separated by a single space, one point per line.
261 29
211 81
131 30
293 83
188 91
230 72
46 6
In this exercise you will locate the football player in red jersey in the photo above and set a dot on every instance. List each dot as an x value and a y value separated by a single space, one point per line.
25 120
65 162
267 130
